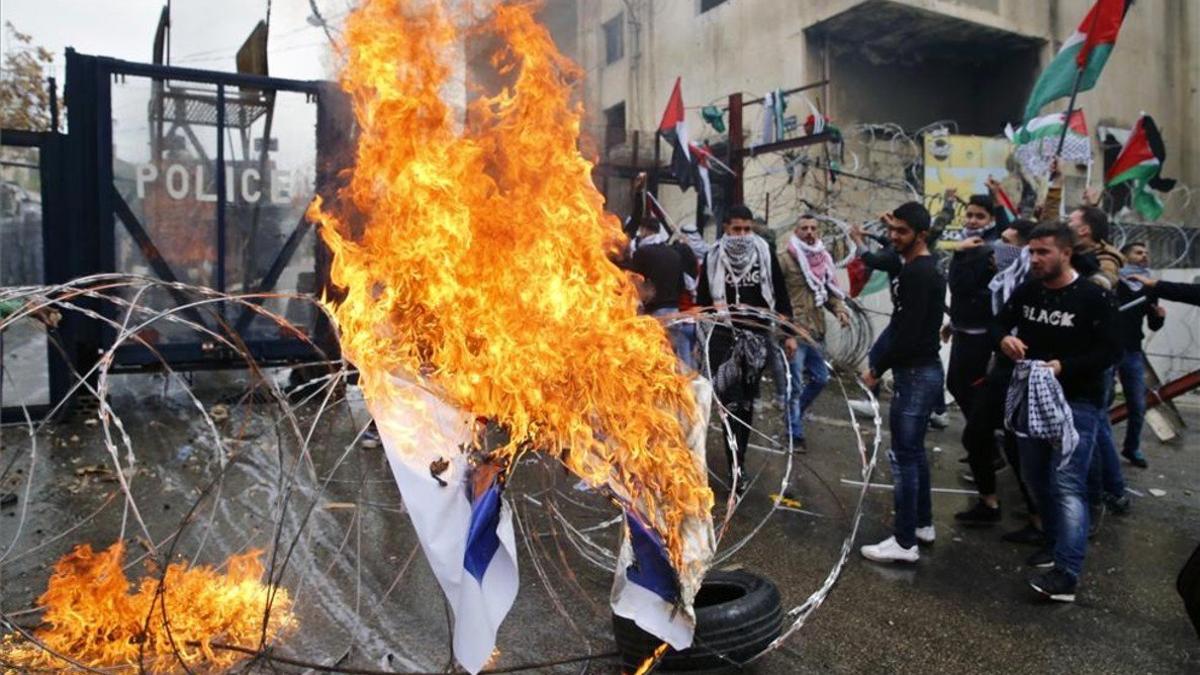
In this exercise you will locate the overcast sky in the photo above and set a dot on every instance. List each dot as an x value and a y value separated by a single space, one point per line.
205 33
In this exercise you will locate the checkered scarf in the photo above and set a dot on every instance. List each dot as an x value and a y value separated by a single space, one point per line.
745 363
1036 407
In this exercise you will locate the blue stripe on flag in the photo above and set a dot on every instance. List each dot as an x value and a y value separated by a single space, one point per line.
651 568
482 540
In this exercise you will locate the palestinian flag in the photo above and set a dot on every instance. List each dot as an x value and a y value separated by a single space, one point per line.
1037 141
703 157
1086 50
1140 162
674 128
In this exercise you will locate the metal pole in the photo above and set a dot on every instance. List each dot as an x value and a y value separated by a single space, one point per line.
735 145
53 103
652 185
1062 138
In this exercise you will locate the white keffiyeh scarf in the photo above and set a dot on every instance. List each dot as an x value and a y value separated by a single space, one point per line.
659 237
732 259
818 268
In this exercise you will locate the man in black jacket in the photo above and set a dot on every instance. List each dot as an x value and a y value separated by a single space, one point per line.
741 280
971 268
918 302
1135 306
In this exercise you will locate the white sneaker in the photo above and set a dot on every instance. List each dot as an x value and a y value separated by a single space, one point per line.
926 535
939 421
889 550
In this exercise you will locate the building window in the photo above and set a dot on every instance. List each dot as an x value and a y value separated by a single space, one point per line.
614 125
614 39
706 5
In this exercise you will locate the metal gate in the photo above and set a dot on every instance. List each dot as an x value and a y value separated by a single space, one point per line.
201 178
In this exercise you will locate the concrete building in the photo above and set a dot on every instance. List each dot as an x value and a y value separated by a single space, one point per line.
906 62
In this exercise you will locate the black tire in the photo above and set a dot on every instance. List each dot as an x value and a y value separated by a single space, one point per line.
737 615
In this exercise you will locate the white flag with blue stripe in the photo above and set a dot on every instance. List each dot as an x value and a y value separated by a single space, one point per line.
460 516
647 589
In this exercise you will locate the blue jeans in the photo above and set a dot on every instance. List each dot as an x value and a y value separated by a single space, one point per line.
1132 372
917 391
1061 492
809 375
682 336
882 342
1106 476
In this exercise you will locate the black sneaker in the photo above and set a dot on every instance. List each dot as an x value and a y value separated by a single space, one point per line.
1136 458
1026 535
799 445
1118 505
979 514
740 484
1055 585
1043 558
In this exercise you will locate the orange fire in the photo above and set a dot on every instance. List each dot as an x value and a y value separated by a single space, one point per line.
476 259
92 618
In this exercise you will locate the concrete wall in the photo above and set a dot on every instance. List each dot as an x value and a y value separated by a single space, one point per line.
758 45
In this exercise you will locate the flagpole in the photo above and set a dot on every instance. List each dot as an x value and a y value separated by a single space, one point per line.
1062 137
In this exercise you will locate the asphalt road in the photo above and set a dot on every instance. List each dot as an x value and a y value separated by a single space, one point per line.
366 598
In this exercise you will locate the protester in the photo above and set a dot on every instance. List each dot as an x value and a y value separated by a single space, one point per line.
971 269
918 301
811 278
1135 306
986 415
1060 325
1188 294
889 262
662 271
739 270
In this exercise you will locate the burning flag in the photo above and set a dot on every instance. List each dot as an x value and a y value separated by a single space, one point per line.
1081 57
1140 162
674 129
92 617
1037 142
454 498
474 262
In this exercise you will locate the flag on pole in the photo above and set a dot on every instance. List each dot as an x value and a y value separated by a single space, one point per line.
1085 53
674 129
1006 203
1140 162
458 511
1037 141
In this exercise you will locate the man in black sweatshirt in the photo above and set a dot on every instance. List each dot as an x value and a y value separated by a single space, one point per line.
918 302
741 280
1068 323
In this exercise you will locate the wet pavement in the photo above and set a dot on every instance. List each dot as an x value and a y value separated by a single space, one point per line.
366 598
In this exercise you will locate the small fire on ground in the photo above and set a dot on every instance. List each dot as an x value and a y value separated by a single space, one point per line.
95 617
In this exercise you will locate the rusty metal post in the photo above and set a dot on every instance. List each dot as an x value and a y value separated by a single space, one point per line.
735 146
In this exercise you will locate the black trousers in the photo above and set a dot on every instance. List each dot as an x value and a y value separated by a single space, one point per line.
969 356
986 416
739 398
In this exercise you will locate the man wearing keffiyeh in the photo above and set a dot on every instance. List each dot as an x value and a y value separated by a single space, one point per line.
811 277
740 278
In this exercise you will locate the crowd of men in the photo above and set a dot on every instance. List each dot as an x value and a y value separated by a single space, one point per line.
1043 318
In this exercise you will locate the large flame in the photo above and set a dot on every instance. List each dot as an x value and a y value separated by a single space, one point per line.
478 260
92 618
